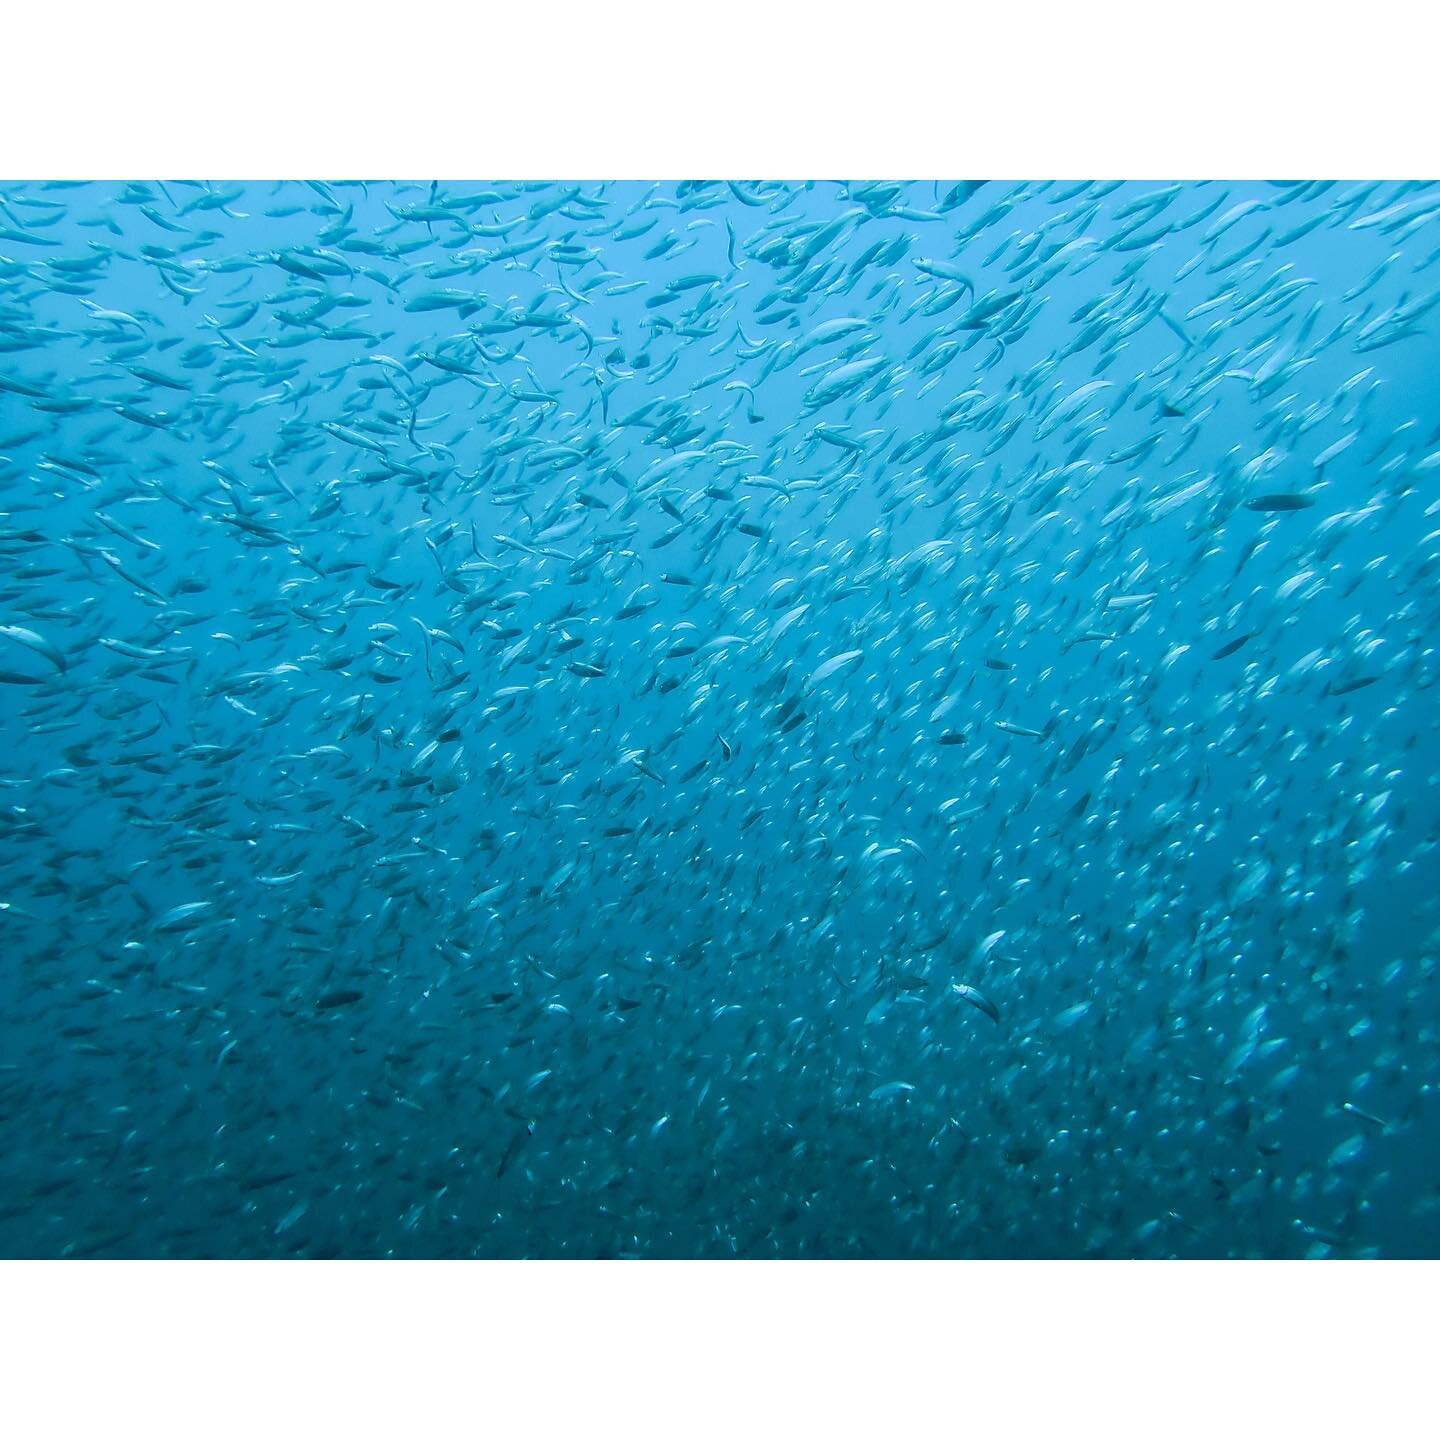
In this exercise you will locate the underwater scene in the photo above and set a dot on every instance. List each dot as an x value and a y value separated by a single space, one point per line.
719 719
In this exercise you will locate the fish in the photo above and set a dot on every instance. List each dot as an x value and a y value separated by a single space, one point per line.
38 643
1236 642
832 666
1279 503
183 917
334 999
696 718
982 1003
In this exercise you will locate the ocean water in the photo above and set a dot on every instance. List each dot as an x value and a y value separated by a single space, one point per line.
719 719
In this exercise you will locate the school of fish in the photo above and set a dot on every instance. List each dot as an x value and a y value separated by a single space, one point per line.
719 719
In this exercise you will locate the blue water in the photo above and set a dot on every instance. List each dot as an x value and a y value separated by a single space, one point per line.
708 720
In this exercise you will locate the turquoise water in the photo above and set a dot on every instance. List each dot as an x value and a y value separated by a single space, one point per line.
719 719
